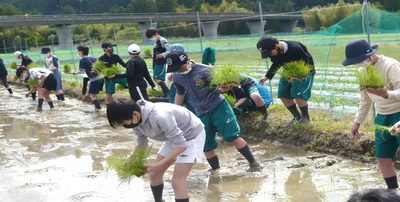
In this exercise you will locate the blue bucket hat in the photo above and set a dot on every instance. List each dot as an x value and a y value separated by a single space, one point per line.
177 47
357 51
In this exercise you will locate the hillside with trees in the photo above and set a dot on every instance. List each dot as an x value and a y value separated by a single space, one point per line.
321 14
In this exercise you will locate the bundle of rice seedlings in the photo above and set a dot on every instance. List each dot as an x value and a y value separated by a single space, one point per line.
226 75
105 70
230 98
157 92
33 82
369 77
13 65
73 83
32 65
67 68
148 52
296 70
133 165
119 87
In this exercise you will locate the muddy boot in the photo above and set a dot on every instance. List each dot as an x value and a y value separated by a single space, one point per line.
39 109
263 111
254 167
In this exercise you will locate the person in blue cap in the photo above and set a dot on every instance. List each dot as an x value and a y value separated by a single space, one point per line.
387 104
172 89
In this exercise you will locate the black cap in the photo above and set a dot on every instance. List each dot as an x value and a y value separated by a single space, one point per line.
266 44
45 50
107 44
175 60
20 70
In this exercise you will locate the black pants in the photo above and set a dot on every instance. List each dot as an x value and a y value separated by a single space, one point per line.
143 89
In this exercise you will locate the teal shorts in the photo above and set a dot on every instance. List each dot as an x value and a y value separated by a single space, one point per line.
223 120
296 89
110 84
159 72
386 145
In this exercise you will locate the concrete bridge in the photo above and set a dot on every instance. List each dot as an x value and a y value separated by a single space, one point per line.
209 21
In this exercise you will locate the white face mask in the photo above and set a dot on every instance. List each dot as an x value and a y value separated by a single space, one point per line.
24 76
363 64
48 55
188 69
153 38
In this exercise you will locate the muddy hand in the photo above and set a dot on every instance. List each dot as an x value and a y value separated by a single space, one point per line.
150 167
395 129
379 92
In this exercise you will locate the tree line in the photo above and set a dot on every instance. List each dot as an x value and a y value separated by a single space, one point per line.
321 14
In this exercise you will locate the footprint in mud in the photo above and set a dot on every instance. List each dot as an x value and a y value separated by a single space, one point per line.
82 196
49 147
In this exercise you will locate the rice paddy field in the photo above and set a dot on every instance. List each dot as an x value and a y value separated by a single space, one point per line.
335 86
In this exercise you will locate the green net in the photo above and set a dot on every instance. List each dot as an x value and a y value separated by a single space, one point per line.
335 87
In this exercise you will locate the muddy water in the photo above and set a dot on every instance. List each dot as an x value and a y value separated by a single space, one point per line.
59 155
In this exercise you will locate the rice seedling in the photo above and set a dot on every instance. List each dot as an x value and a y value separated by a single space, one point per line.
394 130
230 98
227 74
369 77
73 83
105 70
119 87
147 52
67 68
33 82
296 70
133 165
13 65
157 92
32 65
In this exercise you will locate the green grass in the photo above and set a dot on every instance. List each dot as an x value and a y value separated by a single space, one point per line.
148 52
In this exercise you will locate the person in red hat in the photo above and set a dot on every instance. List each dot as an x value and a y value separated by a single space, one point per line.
387 104
290 92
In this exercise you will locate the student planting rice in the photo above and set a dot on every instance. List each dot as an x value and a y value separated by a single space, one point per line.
387 103
181 131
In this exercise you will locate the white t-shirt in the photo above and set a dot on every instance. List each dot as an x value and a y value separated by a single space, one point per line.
39 72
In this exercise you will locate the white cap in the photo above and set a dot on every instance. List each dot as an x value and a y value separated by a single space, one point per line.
134 49
17 54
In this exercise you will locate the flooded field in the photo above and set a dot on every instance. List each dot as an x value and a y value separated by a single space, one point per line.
59 155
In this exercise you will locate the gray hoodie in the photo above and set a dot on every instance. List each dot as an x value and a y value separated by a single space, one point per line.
166 122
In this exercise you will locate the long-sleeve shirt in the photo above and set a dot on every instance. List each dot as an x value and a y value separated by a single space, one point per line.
295 51
136 71
161 46
390 68
167 122
114 59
